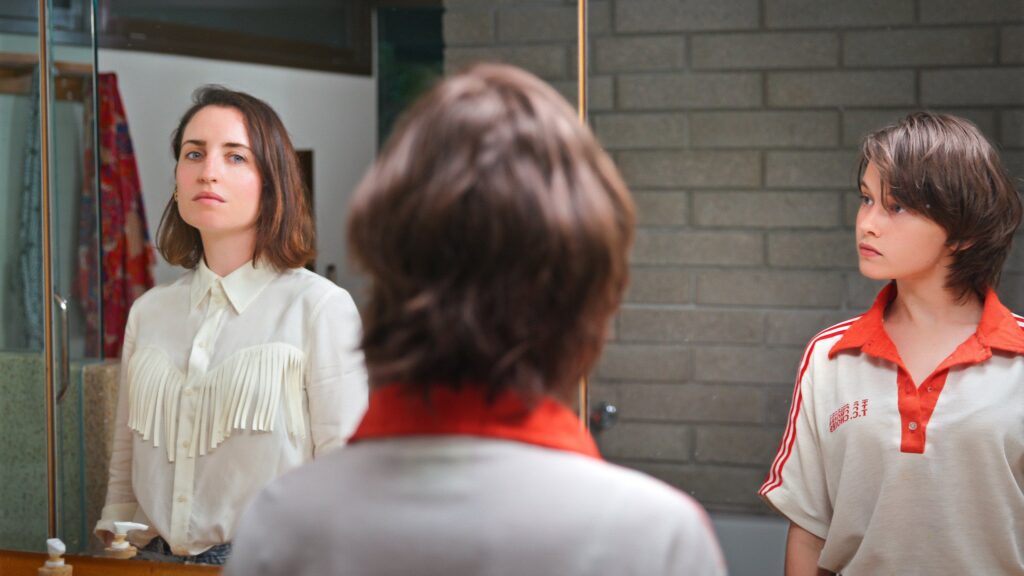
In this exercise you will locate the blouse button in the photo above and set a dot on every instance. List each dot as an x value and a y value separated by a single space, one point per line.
912 426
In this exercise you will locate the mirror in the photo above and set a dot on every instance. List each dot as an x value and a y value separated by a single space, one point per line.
338 74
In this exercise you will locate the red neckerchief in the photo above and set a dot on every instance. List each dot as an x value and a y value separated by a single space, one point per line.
397 410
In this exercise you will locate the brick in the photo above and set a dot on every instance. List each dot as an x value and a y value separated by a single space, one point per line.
1011 291
698 248
861 292
1011 50
840 89
764 129
647 440
661 208
859 123
765 51
766 209
908 47
851 205
630 54
468 27
623 131
698 169
689 402
752 365
975 11
776 409
1015 261
689 90
599 18
797 327
1012 128
837 13
1014 162
644 362
537 24
713 486
685 15
600 92
770 288
549 62
657 324
736 444
832 169
812 250
659 286
972 87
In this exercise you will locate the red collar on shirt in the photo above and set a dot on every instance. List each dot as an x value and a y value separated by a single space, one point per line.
397 410
998 329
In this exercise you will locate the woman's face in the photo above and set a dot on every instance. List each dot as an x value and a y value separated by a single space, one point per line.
217 179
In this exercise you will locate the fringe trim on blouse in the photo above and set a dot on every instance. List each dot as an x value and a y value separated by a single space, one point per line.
243 393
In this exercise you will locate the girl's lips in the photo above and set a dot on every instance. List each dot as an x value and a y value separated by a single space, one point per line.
867 250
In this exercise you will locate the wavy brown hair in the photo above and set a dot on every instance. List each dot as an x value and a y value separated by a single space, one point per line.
285 235
941 166
496 234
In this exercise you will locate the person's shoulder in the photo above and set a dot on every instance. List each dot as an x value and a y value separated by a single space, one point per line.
160 296
649 494
821 343
312 287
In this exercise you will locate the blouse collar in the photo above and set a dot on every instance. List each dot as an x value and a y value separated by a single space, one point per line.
241 286
396 410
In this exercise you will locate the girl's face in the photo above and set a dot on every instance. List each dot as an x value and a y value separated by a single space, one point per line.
217 179
894 243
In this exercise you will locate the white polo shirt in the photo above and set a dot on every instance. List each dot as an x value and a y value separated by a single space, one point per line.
901 478
457 486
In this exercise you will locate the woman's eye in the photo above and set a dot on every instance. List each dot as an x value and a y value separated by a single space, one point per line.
192 155
865 200
237 158
897 209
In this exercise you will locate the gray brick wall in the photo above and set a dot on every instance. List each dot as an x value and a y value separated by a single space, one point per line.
736 123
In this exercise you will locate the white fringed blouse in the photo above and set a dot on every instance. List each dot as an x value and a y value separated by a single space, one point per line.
227 383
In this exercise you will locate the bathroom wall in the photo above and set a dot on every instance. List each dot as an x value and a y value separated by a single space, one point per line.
736 123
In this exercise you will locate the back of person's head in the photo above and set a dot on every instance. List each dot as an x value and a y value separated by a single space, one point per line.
496 234
942 167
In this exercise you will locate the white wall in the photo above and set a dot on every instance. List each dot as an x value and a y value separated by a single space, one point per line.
335 115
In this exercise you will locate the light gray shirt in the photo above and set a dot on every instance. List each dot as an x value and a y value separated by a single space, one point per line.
461 505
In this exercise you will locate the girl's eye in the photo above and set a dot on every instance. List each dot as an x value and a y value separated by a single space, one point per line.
897 209
865 200
192 155
237 158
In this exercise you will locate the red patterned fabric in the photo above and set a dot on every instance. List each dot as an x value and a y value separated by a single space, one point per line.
125 253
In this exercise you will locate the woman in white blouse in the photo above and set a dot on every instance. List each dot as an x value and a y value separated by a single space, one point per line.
245 367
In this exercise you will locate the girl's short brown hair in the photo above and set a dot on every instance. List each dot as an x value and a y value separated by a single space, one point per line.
496 233
285 236
942 167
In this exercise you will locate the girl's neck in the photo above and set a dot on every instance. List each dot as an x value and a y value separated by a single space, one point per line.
226 253
925 305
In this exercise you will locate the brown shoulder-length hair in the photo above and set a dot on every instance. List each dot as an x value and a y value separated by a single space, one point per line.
285 236
942 167
496 233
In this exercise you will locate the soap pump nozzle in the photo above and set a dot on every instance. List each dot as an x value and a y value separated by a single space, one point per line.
120 548
55 565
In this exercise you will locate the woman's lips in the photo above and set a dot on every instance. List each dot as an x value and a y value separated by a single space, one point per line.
207 196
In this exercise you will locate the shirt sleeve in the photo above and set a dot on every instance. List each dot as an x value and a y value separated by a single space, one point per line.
121 504
796 486
337 392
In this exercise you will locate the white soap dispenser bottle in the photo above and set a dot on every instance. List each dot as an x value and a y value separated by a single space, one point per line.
55 565
120 548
